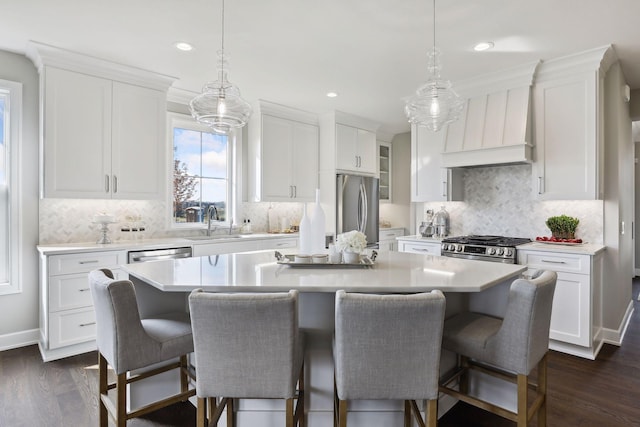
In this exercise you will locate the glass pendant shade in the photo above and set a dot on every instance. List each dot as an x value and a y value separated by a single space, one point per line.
220 105
435 103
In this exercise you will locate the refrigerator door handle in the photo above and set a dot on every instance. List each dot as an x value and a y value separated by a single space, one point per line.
359 213
365 206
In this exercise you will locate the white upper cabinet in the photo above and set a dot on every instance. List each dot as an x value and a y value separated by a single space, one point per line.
103 133
431 182
356 149
283 154
569 127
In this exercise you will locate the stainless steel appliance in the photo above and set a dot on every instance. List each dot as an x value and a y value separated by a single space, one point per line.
485 248
158 254
357 206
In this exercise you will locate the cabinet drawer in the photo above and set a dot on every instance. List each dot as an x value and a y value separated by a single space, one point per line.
556 261
390 234
417 248
279 244
67 292
71 327
83 263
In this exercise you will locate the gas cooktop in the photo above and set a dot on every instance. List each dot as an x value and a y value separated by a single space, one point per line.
500 241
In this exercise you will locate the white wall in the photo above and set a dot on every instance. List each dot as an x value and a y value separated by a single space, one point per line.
19 312
618 203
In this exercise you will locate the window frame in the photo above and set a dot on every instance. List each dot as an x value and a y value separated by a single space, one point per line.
185 121
13 153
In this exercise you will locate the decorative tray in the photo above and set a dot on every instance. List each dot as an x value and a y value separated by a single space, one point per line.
365 261
547 242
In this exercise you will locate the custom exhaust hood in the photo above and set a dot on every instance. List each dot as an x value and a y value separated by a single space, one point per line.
495 126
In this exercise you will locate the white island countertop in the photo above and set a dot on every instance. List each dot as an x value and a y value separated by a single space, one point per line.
260 272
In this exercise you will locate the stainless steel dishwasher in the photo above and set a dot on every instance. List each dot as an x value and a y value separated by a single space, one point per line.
158 254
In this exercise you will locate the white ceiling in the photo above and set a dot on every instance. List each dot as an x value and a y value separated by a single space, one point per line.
372 52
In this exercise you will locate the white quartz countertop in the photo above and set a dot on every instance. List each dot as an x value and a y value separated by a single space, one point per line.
174 242
581 249
260 272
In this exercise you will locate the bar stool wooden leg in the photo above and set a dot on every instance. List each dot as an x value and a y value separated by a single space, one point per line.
407 413
542 390
231 416
431 412
523 388
201 412
342 413
102 384
121 400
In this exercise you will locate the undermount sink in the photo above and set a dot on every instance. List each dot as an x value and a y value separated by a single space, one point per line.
215 237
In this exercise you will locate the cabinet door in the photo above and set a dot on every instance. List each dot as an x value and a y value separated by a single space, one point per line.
571 310
429 181
304 165
77 135
138 144
384 171
366 151
277 136
346 148
566 114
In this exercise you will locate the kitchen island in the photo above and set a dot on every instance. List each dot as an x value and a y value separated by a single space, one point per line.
163 285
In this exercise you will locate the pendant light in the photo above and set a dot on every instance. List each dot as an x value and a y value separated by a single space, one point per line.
435 103
220 105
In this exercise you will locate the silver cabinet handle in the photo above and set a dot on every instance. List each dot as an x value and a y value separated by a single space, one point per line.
106 183
93 261
356 157
291 191
420 249
115 184
553 262
444 188
84 289
295 191
539 185
87 324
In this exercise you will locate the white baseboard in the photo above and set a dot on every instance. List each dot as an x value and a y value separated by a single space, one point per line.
615 336
19 339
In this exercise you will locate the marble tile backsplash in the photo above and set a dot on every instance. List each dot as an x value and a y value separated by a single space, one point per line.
70 220
499 200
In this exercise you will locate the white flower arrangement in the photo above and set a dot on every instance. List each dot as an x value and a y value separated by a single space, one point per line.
351 241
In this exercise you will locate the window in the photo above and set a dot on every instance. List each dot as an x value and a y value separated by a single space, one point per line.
10 110
202 171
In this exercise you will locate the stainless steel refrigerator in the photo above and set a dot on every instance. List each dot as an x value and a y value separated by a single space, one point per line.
357 206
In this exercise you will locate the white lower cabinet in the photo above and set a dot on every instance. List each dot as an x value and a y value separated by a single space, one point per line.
67 318
576 315
244 245
432 247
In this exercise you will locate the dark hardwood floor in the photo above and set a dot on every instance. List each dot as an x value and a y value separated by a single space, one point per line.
600 393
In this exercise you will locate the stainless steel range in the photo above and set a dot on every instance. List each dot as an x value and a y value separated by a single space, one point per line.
485 248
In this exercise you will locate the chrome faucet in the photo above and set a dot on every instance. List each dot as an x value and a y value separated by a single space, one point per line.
212 211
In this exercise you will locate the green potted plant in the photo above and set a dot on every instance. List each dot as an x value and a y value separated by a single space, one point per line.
563 226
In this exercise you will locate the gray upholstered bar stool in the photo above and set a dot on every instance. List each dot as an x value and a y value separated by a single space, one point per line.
388 347
508 348
126 342
247 345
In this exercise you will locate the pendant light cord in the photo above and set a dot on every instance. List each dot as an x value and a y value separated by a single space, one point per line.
222 49
434 27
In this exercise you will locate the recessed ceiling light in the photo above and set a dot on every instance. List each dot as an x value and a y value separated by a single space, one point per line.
184 46
483 46
332 94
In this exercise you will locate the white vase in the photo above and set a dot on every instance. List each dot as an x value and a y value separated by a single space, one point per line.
351 257
317 226
305 233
